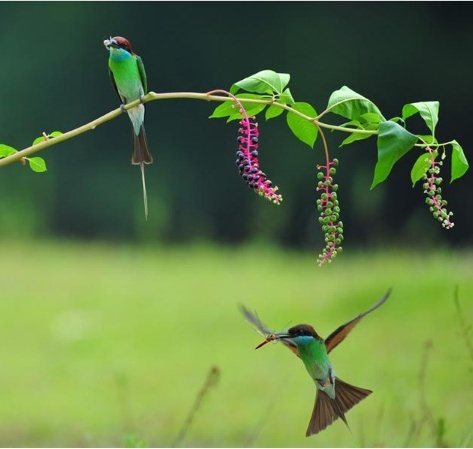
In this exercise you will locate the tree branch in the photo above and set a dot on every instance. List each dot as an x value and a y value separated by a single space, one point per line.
152 96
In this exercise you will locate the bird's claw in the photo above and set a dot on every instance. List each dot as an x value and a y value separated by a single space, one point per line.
123 109
142 99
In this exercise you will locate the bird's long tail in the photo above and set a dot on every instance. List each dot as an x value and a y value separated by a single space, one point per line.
145 196
141 152
327 410
142 156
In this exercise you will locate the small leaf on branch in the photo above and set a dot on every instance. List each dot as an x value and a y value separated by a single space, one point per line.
351 105
45 137
230 108
393 143
6 150
264 82
303 129
428 139
459 163
286 97
371 118
428 110
273 111
37 164
423 163
354 137
369 121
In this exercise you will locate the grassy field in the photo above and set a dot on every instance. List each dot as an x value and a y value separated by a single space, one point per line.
102 344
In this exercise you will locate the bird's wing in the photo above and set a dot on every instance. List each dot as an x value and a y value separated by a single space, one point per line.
114 84
339 334
141 69
254 320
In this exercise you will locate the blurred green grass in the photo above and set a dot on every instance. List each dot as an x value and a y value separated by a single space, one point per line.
100 341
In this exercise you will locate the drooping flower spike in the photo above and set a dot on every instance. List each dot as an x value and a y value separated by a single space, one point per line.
248 163
432 189
329 209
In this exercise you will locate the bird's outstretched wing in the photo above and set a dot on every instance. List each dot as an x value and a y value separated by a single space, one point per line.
268 335
339 334
254 320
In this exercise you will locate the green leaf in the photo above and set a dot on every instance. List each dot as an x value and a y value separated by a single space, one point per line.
6 150
427 138
273 111
371 117
264 82
41 139
396 119
428 110
353 124
354 137
38 140
370 120
302 128
459 163
421 165
37 164
351 105
286 97
393 143
231 109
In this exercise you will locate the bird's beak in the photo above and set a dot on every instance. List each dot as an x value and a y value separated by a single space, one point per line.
110 43
274 336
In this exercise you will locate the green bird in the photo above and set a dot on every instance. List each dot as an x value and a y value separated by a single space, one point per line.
128 77
333 397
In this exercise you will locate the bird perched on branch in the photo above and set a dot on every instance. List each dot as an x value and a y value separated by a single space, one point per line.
128 77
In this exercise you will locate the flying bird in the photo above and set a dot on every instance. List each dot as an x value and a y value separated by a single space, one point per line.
334 397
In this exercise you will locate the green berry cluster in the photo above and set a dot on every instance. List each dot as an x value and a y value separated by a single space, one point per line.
434 200
329 210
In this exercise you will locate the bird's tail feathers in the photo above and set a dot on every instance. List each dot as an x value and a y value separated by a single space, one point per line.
327 410
141 154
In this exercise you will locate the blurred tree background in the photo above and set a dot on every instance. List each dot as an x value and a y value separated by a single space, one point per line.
55 77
